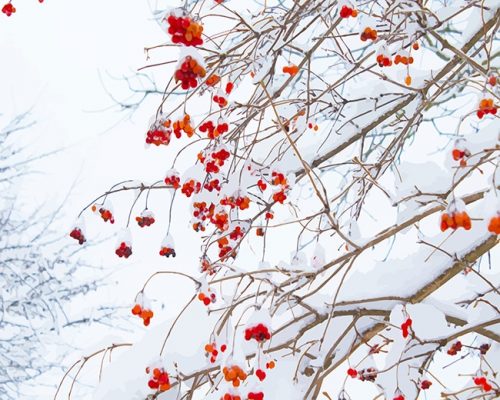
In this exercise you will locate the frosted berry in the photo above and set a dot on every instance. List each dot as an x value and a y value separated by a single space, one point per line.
159 380
167 251
145 219
78 235
189 72
455 348
207 298
184 30
144 313
455 220
259 333
368 34
124 250
346 12
486 106
234 374
8 9
424 385
172 179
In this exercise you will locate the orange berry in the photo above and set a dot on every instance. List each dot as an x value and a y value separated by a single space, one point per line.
136 310
408 80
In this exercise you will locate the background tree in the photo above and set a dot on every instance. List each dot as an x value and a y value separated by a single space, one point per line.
40 274
362 139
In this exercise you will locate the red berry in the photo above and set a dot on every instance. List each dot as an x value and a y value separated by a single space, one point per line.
352 372
260 374
425 384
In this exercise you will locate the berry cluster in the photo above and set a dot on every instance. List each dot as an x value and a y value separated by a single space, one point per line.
213 131
404 59
181 125
229 396
173 179
211 351
494 225
221 221
260 374
124 250
146 218
237 233
405 327
214 160
368 34
455 220
184 30
106 213
225 250
213 184
425 384
482 381
144 313
346 12
241 202
234 374
279 179
399 397
77 234
460 155
159 379
201 214
159 134
292 69
455 348
207 267
483 349
259 333
190 187
207 298
315 127
8 9
255 396
220 99
167 251
189 72
352 372
486 106
368 374
213 80
383 60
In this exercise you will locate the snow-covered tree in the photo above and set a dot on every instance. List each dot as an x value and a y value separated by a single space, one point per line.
40 273
337 163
